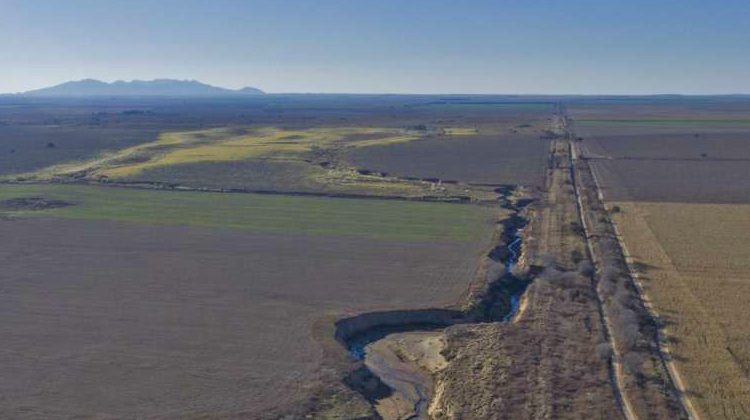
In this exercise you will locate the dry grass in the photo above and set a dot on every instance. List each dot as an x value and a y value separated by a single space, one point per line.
460 131
220 145
694 261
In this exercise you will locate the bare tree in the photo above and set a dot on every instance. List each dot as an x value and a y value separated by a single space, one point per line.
633 362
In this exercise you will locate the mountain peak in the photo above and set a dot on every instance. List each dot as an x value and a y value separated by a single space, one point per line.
156 87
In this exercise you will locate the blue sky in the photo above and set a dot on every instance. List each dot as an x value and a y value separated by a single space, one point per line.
384 46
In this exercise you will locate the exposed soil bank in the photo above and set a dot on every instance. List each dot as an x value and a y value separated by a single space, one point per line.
359 331
392 378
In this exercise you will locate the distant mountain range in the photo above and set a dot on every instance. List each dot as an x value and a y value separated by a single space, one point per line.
158 87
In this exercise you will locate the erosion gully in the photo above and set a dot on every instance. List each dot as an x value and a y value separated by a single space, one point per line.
401 349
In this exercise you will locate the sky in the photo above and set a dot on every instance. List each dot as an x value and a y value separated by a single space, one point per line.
384 46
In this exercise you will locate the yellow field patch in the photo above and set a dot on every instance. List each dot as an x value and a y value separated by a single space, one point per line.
223 144
460 131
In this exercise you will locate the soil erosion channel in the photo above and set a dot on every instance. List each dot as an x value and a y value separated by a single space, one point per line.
403 356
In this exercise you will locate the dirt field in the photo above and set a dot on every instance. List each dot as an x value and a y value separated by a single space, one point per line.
686 146
27 148
693 259
660 115
710 182
171 309
483 159
647 151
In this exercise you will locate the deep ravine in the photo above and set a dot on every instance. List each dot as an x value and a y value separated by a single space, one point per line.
400 350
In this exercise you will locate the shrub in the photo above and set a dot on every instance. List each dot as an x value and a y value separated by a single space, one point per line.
495 271
632 361
604 351
586 268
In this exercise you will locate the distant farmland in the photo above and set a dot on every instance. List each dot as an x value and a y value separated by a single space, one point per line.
674 160
254 159
141 303
672 146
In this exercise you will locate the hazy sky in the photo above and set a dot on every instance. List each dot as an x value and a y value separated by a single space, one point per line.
409 46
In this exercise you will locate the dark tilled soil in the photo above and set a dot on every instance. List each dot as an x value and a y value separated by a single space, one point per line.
696 162
484 159
674 181
102 319
698 146
25 148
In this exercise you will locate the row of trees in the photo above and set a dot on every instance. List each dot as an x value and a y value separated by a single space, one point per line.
628 317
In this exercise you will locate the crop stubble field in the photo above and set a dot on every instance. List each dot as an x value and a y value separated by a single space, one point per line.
692 259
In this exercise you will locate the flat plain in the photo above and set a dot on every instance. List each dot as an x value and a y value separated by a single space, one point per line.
291 143
130 290
133 288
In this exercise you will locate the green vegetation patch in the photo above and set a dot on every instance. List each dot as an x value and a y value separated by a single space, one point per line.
377 219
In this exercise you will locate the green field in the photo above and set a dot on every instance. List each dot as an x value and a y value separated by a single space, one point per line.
377 219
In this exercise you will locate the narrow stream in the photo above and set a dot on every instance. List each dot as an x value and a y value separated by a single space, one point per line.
514 250
409 383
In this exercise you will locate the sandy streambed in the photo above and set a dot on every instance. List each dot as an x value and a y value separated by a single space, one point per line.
406 362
